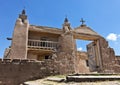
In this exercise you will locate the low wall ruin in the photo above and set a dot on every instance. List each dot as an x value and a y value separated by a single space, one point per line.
14 72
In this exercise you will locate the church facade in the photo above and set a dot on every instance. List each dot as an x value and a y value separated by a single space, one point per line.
41 43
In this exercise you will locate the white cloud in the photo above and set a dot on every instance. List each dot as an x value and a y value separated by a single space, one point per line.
112 37
116 44
79 49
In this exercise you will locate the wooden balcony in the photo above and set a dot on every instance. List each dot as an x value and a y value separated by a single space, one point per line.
42 45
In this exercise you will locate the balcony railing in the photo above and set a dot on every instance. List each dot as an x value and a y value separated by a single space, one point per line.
40 44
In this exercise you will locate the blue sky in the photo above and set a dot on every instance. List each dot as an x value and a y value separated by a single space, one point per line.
103 16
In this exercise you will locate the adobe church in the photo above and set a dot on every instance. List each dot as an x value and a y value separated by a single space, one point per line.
40 43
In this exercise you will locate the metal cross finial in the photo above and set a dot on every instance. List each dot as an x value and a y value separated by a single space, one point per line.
23 11
66 19
82 21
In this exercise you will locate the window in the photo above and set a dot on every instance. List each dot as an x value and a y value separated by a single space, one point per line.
46 57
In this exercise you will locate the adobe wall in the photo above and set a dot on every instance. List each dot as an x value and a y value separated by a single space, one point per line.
7 53
66 54
19 39
117 60
39 35
81 63
17 71
31 56
110 64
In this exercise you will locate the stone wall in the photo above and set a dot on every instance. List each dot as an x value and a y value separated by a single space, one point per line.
65 63
117 60
118 57
7 53
14 72
30 55
105 54
109 60
66 54
81 62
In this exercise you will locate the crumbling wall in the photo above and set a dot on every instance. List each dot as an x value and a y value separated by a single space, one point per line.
30 55
82 63
117 60
7 53
65 63
66 54
109 62
14 72
108 58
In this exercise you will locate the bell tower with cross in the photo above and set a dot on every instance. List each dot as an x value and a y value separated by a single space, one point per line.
20 37
66 25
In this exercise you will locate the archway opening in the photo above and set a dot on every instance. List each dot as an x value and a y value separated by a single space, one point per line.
81 45
82 55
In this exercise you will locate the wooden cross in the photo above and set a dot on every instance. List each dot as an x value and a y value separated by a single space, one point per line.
82 21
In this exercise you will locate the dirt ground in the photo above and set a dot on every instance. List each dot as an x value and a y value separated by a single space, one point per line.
45 81
73 83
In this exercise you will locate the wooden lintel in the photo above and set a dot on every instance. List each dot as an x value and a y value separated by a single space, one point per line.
85 36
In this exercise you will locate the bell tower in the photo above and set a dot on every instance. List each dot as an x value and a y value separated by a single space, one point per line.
20 37
23 16
66 50
66 25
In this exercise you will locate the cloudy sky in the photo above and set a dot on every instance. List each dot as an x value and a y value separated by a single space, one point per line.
103 16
